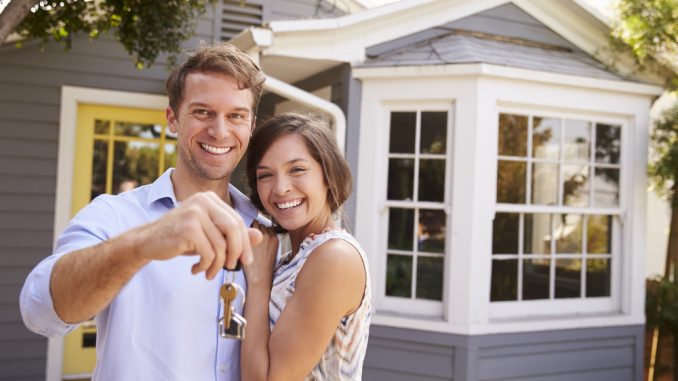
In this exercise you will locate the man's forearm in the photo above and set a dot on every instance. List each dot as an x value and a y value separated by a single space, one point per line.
85 281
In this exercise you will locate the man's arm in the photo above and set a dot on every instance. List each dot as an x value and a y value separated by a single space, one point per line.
85 281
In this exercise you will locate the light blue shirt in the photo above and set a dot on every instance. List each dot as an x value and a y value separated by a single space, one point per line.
163 325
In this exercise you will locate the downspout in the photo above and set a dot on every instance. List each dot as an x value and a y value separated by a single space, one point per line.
312 101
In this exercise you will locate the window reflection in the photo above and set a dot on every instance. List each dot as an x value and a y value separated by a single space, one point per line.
136 161
400 229
599 234
568 234
399 275
431 231
504 285
537 228
505 233
576 185
606 187
431 180
99 165
512 135
137 130
511 182
536 282
433 132
544 184
568 278
430 278
546 138
577 141
403 130
598 277
400 179
608 143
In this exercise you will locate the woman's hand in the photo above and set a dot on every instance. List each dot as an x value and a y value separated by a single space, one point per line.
264 257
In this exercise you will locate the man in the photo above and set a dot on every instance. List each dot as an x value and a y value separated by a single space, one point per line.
132 260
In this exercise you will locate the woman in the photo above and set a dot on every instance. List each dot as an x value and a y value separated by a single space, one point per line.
308 315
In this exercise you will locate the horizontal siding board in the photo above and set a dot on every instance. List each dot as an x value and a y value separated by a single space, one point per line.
28 349
9 293
23 256
624 374
28 148
29 112
13 276
9 313
31 94
37 239
27 184
16 369
26 221
507 367
24 166
390 375
564 346
400 356
32 76
29 130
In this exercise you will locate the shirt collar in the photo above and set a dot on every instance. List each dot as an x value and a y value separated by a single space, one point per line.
163 188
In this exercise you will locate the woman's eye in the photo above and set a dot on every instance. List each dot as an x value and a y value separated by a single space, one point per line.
297 169
263 176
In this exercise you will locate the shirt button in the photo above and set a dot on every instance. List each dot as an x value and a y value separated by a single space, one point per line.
222 367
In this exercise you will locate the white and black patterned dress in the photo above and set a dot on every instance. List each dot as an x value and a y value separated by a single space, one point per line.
343 359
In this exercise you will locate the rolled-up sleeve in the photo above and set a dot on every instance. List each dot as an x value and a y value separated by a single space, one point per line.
92 225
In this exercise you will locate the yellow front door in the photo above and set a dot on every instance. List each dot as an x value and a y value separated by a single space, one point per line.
117 149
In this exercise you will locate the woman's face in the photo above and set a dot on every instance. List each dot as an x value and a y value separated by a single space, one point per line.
291 186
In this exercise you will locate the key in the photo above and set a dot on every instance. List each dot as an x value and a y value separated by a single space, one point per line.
228 294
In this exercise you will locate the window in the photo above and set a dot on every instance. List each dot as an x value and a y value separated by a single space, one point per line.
558 208
417 182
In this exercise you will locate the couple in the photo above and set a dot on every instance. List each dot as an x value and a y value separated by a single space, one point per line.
132 260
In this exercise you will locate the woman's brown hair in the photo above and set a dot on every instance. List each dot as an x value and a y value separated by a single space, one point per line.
320 143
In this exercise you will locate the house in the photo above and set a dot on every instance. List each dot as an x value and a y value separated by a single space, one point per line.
499 165
499 150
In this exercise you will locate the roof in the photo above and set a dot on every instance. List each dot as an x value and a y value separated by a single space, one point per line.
460 47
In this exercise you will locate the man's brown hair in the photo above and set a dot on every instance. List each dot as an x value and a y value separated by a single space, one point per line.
222 58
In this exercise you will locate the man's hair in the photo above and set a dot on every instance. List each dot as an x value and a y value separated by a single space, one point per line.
320 143
222 58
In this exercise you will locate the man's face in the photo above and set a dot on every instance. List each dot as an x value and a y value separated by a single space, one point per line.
213 126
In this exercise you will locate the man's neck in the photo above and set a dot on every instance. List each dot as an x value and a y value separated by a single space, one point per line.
186 184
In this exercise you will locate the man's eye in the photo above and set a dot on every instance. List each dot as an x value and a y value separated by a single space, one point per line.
237 116
201 111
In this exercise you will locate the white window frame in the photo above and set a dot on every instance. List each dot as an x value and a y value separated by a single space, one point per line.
499 310
399 305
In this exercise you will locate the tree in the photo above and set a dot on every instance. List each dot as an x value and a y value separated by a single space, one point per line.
145 28
650 29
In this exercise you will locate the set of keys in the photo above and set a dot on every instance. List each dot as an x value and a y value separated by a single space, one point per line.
232 325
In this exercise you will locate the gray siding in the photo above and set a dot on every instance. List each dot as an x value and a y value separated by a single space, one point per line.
30 99
611 353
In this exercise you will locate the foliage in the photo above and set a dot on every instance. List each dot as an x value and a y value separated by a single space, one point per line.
664 293
650 28
664 170
145 28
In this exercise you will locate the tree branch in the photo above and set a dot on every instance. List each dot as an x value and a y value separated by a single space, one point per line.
12 16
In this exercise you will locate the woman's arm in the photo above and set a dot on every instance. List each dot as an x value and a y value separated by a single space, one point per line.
329 287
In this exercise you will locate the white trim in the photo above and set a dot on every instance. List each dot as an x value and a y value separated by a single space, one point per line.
490 70
71 97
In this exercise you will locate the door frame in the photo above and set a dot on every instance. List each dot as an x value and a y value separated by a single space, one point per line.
71 97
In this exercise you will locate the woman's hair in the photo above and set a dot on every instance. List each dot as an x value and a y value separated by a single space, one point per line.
320 143
222 58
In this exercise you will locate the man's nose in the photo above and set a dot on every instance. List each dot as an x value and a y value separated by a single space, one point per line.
220 129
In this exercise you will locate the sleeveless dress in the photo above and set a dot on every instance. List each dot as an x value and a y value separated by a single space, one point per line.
343 358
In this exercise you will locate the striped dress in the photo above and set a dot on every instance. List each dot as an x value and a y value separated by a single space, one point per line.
343 359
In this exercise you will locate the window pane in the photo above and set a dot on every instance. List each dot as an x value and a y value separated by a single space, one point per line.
504 280
577 140
598 277
544 184
433 132
599 235
430 278
134 163
608 143
431 231
403 128
400 179
537 228
576 185
99 160
170 156
511 182
101 127
568 234
138 130
606 187
400 229
512 135
536 279
432 180
399 275
546 138
505 233
568 278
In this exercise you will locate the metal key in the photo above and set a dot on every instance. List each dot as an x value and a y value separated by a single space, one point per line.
228 294
232 324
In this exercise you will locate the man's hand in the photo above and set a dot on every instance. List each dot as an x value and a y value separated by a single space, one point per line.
204 225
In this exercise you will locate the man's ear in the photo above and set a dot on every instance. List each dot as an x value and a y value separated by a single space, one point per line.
171 120
254 125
